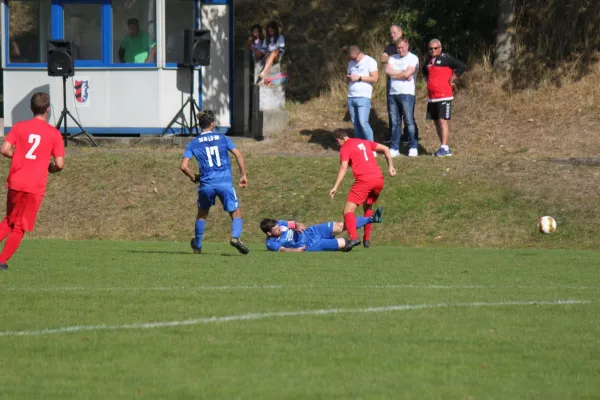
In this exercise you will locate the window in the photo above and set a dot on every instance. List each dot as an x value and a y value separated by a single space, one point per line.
134 31
179 15
28 30
83 26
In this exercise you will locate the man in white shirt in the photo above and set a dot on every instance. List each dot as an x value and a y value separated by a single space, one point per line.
402 69
361 75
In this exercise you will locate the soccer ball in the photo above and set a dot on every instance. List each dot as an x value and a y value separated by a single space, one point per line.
546 224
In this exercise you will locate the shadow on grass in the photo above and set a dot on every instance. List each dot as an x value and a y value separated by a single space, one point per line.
187 253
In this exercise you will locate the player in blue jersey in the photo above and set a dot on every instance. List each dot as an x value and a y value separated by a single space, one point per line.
215 179
293 237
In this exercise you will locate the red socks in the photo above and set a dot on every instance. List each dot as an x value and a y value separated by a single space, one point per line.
11 245
4 229
368 227
350 222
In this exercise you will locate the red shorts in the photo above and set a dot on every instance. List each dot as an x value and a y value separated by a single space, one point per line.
22 209
365 191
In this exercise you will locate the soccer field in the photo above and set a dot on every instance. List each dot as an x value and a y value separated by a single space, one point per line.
122 320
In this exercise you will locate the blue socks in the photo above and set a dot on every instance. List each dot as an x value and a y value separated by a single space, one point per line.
362 221
236 228
200 224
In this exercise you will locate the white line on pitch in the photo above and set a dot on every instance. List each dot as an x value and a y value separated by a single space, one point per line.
257 316
259 287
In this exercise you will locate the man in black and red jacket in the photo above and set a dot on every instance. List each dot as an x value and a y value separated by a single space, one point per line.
440 71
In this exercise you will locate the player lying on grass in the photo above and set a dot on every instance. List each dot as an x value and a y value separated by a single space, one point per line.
294 237
359 155
211 151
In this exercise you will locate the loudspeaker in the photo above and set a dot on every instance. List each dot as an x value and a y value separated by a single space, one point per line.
60 58
196 47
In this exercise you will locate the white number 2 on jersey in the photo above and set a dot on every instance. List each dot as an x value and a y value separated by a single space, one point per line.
364 149
213 151
35 139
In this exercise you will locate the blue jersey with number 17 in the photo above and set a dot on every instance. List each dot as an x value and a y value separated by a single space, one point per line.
211 151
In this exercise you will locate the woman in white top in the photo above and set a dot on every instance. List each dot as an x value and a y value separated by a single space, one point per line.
273 48
255 41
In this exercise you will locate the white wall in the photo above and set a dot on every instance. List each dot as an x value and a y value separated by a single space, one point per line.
117 98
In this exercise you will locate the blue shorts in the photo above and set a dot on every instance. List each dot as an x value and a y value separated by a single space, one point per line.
321 238
226 194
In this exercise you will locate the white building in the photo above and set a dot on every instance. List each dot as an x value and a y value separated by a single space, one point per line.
139 97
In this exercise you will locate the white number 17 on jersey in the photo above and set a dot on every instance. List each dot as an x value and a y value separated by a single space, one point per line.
213 151
364 149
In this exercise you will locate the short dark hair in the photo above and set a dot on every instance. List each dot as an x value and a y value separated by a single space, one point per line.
39 103
256 26
205 118
267 224
340 134
133 22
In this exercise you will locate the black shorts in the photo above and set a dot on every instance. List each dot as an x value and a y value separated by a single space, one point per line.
439 110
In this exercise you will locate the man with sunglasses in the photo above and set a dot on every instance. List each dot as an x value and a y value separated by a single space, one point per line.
440 71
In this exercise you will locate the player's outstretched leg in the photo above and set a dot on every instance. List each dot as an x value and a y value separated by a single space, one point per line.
236 232
196 242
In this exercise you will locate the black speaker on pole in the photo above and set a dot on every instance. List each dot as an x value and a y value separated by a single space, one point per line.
196 47
60 58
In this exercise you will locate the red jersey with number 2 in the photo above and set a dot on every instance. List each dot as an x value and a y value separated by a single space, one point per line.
35 141
360 157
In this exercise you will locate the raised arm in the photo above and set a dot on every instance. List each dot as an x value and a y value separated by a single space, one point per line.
242 165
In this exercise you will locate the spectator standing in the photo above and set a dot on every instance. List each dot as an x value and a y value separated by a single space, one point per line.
440 71
401 70
272 49
362 73
396 33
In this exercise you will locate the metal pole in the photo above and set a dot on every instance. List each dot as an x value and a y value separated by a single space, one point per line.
65 109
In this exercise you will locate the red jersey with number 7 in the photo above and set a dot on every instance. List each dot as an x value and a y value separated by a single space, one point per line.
35 141
360 157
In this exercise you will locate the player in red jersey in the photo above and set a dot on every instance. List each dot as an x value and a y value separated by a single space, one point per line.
368 181
29 145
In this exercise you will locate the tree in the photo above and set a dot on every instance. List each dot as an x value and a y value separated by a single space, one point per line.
505 36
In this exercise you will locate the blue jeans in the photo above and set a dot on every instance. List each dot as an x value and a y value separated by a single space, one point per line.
402 107
359 109
404 137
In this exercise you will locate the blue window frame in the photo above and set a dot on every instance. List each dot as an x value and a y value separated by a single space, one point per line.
57 33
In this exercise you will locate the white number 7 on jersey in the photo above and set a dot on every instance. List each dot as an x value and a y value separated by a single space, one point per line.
210 151
364 149
35 139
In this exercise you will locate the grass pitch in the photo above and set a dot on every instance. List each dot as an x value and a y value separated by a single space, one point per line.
89 319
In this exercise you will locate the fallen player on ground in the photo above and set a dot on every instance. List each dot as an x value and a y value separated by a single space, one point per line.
292 236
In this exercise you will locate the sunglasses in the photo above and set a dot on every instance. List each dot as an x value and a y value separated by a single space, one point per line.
434 48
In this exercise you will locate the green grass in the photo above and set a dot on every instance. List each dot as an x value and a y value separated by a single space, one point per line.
456 352
140 194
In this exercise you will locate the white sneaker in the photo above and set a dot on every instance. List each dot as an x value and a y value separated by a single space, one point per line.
395 153
413 153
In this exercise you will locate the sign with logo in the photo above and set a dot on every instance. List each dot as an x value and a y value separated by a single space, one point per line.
82 91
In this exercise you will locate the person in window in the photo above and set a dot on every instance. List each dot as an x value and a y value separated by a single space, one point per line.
273 48
255 41
137 47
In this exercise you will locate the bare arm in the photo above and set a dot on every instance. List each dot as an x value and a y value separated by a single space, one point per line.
185 168
340 177
7 149
405 75
242 165
388 158
384 57
286 250
57 165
